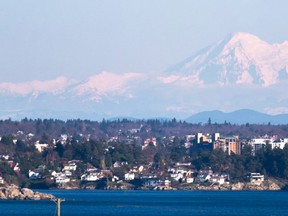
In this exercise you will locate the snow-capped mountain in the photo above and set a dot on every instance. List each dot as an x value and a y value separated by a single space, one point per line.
240 58
94 88
245 68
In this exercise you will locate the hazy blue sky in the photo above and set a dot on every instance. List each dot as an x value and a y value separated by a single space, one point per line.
47 39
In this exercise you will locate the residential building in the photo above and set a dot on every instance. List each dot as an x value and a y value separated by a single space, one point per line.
34 175
259 143
230 145
148 141
129 176
217 179
279 143
90 177
62 179
40 147
1 180
204 175
256 177
71 166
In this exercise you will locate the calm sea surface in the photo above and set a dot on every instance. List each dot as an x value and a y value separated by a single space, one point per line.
166 203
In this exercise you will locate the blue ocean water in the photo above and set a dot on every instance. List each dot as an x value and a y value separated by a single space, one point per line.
154 203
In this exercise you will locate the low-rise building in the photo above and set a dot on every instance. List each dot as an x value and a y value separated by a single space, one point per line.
1 180
189 180
40 147
256 178
34 175
62 179
16 168
217 179
4 157
90 177
204 175
179 173
70 167
129 176
279 143
148 141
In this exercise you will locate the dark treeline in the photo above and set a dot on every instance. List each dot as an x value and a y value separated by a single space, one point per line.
154 127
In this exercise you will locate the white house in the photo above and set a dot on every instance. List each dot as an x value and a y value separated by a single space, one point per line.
178 173
279 143
217 179
41 146
16 168
63 138
204 175
115 179
56 174
256 178
129 176
90 177
67 173
5 157
62 179
148 141
70 167
1 180
33 175
189 180
30 135
177 176
90 168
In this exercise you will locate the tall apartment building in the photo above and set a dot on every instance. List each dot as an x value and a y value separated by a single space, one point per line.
228 144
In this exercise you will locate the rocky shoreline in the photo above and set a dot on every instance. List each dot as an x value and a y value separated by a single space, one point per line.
15 193
269 184
259 186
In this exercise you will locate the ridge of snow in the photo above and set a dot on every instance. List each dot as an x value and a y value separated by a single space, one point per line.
36 87
106 83
240 58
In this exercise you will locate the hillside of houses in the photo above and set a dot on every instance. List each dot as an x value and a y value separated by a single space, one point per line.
142 155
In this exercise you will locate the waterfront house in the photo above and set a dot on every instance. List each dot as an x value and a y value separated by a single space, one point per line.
204 175
90 177
62 179
256 178
129 176
34 175
217 179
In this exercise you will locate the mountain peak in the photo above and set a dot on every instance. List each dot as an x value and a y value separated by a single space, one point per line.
240 58
241 36
247 41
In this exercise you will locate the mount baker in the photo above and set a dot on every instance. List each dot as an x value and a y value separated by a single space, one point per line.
240 71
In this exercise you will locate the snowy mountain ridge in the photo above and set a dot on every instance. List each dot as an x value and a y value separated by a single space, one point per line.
240 71
240 58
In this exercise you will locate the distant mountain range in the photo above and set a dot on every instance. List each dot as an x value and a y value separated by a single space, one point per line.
240 71
238 117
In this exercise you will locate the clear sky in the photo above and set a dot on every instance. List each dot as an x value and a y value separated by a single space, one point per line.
78 38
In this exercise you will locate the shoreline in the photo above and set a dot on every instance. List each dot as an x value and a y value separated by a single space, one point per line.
266 185
13 192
